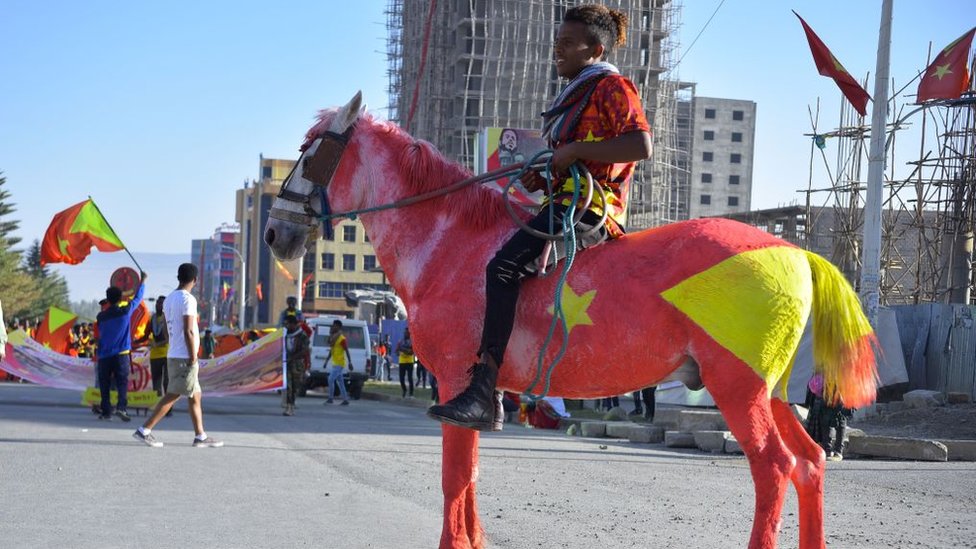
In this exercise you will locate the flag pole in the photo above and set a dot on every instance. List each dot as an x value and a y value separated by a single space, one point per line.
116 234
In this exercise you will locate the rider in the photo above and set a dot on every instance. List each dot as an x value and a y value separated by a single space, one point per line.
597 120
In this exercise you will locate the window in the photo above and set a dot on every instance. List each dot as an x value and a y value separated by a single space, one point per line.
706 178
706 199
737 137
349 233
733 201
738 115
369 262
339 289
709 113
733 180
328 262
265 172
735 158
709 135
348 262
707 156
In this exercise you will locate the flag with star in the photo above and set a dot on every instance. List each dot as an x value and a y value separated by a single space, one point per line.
54 331
948 74
828 65
73 232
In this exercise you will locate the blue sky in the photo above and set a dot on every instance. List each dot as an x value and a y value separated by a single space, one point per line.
159 110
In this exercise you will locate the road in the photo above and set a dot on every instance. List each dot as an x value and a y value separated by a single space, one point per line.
367 475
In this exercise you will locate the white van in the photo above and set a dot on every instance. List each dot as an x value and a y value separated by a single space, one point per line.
357 339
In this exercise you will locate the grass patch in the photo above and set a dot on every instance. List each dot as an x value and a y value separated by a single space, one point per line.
393 389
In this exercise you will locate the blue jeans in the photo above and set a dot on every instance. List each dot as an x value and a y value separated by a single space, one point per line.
118 367
336 374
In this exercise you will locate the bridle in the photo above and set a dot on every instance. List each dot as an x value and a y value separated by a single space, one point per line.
319 168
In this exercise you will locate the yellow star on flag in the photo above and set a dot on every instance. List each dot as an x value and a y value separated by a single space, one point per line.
941 71
575 306
590 138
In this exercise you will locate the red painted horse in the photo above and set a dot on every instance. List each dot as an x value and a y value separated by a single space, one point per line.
706 301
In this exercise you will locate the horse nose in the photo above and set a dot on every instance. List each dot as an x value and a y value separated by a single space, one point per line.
269 237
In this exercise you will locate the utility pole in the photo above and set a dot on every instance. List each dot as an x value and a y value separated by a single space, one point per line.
871 245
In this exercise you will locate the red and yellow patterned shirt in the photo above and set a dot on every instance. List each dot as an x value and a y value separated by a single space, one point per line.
614 109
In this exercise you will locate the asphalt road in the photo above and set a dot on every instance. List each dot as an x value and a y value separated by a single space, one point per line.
367 475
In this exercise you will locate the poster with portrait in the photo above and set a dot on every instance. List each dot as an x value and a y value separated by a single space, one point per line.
499 147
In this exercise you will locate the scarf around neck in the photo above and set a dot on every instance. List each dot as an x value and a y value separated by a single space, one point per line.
564 113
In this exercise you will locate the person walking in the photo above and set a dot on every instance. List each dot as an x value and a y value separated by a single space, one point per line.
183 367
340 357
296 361
208 345
406 360
114 348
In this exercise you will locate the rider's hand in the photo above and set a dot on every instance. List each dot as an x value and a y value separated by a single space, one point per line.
533 181
563 158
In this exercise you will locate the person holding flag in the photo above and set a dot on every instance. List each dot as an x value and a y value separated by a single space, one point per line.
114 348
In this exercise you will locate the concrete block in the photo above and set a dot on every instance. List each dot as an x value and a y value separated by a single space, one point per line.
593 429
701 420
711 441
865 412
619 429
961 450
923 398
646 434
616 414
679 439
900 448
896 406
732 446
957 398
854 432
667 418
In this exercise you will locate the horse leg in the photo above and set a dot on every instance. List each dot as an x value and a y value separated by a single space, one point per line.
807 477
459 470
743 399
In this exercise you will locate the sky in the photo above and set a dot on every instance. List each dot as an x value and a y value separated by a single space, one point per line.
160 110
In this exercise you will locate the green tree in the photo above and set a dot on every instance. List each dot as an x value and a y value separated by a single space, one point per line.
53 289
7 226
19 289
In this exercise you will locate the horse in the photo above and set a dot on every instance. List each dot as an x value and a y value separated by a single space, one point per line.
709 302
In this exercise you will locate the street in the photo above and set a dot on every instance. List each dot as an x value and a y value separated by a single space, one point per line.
368 475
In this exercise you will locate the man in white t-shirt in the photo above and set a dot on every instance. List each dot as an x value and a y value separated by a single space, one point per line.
180 310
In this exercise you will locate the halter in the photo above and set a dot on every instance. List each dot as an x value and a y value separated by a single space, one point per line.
319 168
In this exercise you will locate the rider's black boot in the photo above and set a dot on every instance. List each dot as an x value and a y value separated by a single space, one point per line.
475 407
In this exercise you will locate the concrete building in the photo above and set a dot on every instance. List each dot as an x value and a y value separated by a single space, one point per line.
721 156
458 67
224 295
202 255
325 273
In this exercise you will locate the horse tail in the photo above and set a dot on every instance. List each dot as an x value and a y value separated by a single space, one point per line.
843 342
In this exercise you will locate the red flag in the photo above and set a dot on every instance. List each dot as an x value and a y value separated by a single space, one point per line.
73 232
139 324
308 278
54 331
828 65
260 293
948 74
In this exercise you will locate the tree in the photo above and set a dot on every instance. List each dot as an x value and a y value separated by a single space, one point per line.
53 289
7 227
19 289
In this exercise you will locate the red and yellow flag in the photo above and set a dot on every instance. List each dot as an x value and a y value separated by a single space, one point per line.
73 232
828 65
54 331
948 74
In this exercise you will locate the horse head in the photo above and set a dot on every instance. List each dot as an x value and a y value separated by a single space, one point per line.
296 211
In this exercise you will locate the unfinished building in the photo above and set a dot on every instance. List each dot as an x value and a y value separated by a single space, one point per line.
458 66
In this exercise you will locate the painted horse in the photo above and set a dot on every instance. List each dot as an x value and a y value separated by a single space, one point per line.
708 301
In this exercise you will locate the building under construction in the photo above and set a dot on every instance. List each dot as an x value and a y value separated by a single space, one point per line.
456 67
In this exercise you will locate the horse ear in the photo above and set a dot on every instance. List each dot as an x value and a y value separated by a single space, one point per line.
348 114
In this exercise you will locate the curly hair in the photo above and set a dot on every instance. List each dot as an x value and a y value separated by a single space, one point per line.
604 25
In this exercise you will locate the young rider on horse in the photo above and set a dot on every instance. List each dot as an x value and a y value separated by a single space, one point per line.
597 120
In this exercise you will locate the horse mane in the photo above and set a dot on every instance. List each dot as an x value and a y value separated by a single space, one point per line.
424 169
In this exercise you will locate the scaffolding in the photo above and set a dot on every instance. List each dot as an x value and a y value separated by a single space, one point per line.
927 217
458 66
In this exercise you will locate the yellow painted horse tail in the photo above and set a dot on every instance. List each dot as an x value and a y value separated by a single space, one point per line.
843 342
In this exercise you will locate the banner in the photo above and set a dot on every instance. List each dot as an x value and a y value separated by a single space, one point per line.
253 368
498 147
